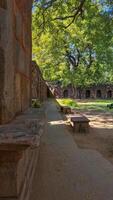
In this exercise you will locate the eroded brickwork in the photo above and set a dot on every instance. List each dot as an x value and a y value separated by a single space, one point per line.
15 57
62 92
39 87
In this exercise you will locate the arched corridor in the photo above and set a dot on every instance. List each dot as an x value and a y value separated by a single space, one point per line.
109 94
88 94
98 94
65 93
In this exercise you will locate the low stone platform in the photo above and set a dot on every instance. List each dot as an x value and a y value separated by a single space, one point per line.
79 122
65 109
19 148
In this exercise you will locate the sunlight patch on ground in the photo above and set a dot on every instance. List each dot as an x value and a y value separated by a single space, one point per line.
101 125
101 122
59 122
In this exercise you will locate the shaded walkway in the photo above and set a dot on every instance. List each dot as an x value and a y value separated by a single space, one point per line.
66 172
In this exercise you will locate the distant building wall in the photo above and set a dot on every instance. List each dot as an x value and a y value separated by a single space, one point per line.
104 91
99 91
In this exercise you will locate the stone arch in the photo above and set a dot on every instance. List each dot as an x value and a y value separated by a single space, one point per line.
88 94
65 93
79 94
3 4
99 94
109 94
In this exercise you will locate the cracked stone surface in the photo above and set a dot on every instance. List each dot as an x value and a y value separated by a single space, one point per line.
25 129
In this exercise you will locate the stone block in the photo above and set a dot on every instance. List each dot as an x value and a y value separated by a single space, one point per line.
80 123
19 150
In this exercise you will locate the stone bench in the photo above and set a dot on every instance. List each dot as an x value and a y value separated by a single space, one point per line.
19 150
79 122
65 109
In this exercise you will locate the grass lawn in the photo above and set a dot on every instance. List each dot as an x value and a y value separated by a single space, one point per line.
68 102
87 105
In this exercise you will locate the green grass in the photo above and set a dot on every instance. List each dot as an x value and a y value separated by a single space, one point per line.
36 103
97 105
87 105
67 102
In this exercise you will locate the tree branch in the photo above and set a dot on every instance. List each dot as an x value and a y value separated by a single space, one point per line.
77 11
74 60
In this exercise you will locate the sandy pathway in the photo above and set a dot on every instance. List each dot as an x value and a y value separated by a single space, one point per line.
64 171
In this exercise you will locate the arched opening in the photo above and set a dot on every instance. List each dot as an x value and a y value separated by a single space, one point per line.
49 93
79 94
3 4
99 95
65 94
109 94
88 94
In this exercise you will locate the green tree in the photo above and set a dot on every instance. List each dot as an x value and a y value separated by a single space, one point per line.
73 40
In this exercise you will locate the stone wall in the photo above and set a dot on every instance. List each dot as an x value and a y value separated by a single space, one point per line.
15 57
99 91
19 139
104 91
39 87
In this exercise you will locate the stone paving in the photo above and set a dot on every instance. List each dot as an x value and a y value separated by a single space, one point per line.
64 171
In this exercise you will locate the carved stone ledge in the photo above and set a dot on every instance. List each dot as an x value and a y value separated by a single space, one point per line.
19 149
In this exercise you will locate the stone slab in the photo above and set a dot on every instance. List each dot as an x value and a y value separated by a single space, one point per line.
19 147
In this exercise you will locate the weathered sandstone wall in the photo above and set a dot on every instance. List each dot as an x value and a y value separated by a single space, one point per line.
15 57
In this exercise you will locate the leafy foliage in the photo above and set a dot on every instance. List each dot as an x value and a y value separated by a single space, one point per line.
36 103
73 40
67 102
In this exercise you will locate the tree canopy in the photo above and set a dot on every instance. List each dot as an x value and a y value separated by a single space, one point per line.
73 40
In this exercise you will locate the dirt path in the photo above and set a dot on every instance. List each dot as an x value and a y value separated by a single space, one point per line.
100 137
64 171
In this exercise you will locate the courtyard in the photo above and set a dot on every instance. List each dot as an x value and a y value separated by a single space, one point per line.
100 136
65 170
56 49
